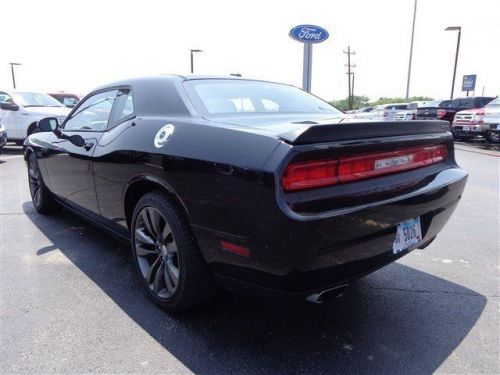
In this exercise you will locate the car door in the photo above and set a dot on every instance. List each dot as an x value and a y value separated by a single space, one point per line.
69 166
11 119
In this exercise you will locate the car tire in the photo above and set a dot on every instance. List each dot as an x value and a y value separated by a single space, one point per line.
493 137
168 260
32 129
19 142
41 196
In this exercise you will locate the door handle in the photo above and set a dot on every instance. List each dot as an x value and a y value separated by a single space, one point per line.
88 145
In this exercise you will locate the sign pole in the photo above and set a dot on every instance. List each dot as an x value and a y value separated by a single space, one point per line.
308 35
307 65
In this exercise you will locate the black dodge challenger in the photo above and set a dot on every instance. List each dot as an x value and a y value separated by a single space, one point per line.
256 186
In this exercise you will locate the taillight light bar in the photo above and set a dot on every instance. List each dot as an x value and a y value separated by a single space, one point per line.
441 113
319 173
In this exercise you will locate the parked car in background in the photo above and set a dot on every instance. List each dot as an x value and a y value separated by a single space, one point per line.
67 99
469 124
3 137
384 112
360 112
256 186
20 111
492 119
410 113
446 111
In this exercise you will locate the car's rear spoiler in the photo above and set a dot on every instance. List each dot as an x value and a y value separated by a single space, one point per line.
361 130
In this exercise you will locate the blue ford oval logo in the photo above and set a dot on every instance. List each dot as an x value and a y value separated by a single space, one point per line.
309 34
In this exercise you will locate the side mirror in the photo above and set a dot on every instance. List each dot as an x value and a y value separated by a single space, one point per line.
47 124
7 106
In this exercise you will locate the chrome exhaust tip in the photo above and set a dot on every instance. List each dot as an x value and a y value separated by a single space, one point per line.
322 296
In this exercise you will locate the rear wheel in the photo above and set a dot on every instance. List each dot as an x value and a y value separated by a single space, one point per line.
19 143
167 257
40 195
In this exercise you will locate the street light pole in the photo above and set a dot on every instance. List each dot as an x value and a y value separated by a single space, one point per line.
454 28
192 63
12 72
411 51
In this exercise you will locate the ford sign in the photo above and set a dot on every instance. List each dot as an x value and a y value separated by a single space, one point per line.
309 34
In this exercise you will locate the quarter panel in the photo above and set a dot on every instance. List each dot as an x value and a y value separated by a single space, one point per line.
213 169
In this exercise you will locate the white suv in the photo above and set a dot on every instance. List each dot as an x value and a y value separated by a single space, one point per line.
20 111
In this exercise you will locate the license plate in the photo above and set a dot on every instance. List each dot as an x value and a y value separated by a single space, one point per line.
409 233
466 128
498 127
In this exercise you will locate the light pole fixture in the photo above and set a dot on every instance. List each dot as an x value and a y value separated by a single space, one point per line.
192 52
235 74
12 72
459 29
411 50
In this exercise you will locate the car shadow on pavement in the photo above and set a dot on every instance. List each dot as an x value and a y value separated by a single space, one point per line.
397 320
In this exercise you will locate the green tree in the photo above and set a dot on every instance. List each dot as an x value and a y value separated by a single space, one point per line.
357 102
384 100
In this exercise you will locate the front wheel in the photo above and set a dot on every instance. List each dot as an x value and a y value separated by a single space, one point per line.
40 195
167 257
493 137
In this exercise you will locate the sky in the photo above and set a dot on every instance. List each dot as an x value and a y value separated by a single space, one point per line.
76 46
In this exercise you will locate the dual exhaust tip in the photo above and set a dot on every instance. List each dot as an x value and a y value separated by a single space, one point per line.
326 294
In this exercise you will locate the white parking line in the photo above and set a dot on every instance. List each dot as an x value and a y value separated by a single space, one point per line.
11 157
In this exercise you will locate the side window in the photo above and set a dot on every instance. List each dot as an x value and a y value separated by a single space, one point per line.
93 113
467 103
124 106
4 97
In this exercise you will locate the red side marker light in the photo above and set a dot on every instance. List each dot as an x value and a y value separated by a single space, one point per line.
235 249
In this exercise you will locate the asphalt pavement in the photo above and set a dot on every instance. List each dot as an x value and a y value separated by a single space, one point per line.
70 303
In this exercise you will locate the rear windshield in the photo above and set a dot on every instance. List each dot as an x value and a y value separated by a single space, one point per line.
481 102
495 103
225 96
397 106
462 103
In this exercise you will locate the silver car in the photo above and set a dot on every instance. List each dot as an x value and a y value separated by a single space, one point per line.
492 118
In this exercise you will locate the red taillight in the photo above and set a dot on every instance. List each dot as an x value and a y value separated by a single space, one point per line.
304 175
386 114
441 113
313 174
413 116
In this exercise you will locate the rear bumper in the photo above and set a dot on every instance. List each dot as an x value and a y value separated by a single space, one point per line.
291 257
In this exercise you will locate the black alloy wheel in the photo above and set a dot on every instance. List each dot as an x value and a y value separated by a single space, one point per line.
42 198
169 262
156 252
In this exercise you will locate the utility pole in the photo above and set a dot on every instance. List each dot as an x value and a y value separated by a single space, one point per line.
352 87
192 62
411 51
459 29
349 73
12 72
